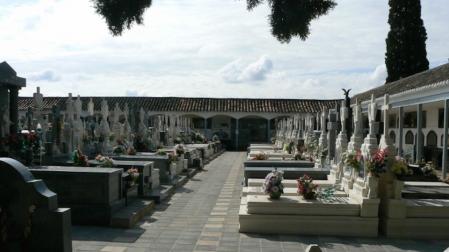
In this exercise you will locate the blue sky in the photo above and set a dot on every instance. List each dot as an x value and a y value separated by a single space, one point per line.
203 48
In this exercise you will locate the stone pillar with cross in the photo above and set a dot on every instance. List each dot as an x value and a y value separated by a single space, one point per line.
385 141
341 146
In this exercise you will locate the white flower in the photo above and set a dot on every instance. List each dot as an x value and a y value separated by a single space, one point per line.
275 189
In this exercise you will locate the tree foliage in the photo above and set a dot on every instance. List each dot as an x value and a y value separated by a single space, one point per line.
406 42
121 14
291 18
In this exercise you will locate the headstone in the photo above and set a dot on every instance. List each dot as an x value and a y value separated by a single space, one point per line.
29 210
332 134
341 145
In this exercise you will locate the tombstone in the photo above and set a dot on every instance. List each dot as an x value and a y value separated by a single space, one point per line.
104 130
117 128
322 141
33 221
78 128
341 147
369 148
331 134
385 141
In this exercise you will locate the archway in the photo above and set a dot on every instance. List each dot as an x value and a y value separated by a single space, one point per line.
252 129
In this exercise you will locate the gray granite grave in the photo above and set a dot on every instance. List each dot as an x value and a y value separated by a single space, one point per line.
144 168
160 162
29 210
93 194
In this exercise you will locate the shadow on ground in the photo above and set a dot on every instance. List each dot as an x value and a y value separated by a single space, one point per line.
90 233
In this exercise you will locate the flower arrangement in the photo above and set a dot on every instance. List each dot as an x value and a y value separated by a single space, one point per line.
131 151
399 167
104 161
179 149
378 162
306 187
199 138
79 159
353 159
260 156
273 184
133 174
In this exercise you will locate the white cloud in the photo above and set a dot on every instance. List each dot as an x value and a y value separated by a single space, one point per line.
236 71
47 75
183 43
132 93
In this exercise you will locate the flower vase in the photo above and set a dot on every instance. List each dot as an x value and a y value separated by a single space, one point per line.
275 195
309 196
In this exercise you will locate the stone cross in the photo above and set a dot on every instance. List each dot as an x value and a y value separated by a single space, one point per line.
90 107
357 118
69 109
386 109
343 116
372 110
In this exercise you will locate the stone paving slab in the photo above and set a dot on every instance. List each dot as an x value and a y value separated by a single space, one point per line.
203 216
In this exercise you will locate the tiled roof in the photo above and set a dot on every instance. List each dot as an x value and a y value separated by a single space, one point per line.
426 78
180 104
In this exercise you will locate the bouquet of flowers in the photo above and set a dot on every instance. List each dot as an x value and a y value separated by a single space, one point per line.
353 159
133 175
378 163
79 159
399 167
306 187
104 161
260 156
273 184
179 149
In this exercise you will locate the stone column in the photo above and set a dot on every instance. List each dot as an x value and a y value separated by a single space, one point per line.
419 139
446 122
13 108
401 132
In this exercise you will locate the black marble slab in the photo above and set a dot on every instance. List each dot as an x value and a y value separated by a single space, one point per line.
160 162
92 193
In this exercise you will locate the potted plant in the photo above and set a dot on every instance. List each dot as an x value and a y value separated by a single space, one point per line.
273 184
306 187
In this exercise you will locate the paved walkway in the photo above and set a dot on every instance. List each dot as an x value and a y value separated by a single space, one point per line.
203 216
